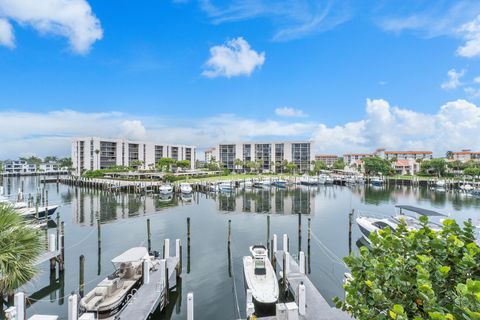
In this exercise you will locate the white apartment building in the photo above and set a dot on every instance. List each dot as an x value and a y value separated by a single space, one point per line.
299 152
351 158
26 167
93 153
209 155
466 155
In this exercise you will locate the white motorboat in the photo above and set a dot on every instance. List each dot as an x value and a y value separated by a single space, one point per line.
440 183
466 187
165 189
113 292
376 181
225 186
369 224
185 188
328 180
43 212
260 278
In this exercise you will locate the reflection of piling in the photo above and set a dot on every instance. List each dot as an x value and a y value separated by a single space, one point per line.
299 232
268 232
62 247
350 218
188 245
99 242
229 232
149 236
308 247
82 276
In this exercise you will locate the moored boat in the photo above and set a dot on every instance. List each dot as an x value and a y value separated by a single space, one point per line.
260 278
185 188
165 189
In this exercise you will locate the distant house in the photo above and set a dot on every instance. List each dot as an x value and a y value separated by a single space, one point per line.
406 166
466 155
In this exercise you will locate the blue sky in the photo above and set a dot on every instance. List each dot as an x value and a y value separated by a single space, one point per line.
350 76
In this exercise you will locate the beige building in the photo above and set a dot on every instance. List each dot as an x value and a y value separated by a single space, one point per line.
328 159
466 155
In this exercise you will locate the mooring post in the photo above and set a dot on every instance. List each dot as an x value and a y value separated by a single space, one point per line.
166 249
19 302
46 202
62 247
299 231
72 307
301 262
302 299
178 254
149 236
190 306
285 242
82 276
167 284
308 247
284 276
350 218
146 272
250 306
229 239
268 232
52 246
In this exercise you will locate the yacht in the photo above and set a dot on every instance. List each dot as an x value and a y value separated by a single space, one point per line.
260 278
376 181
165 189
369 224
185 188
113 292
279 183
43 212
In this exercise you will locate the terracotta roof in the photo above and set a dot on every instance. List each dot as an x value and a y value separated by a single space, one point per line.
408 152
326 156
358 154
403 163
466 152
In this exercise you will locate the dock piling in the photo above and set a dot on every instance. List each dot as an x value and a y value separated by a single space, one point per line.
166 249
285 242
19 302
190 306
82 275
301 262
302 301
146 272
73 307
250 306
268 232
350 218
149 236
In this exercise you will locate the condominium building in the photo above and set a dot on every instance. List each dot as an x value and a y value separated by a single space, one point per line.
466 155
27 167
328 159
209 155
95 153
408 155
270 154
351 158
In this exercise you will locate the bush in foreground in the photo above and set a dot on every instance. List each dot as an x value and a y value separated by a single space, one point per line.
416 275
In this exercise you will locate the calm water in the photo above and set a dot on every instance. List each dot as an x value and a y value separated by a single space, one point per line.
216 288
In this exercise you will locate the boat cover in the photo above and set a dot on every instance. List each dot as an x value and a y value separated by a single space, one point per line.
131 255
421 211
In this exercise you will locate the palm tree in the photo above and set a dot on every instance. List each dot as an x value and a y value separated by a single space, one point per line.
20 246
238 163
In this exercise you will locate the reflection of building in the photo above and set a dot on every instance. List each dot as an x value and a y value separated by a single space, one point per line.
270 155
328 159
281 201
466 155
99 153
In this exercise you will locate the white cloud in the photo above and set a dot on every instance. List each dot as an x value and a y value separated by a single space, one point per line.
289 112
476 79
471 33
72 19
7 38
235 58
291 19
454 126
453 81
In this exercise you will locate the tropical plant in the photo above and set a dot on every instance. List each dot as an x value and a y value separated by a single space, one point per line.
164 164
318 166
472 171
449 155
416 274
238 163
20 246
339 164
435 167
291 167
376 165
183 164
136 164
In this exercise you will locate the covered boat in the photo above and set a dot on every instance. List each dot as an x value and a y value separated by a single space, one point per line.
185 188
113 292
165 189
260 278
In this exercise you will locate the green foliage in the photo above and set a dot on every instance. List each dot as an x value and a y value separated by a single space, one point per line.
65 163
375 165
472 171
183 164
416 274
435 167
339 164
291 167
136 163
456 165
50 159
101 173
20 246
32 159
319 166
449 155
165 164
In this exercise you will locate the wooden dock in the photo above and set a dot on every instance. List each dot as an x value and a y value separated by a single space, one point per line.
152 294
316 305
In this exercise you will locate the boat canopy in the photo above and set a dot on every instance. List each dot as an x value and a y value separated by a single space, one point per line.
421 211
131 255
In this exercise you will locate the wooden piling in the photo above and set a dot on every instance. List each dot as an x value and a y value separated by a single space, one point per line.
62 247
229 232
82 276
149 236
268 232
350 219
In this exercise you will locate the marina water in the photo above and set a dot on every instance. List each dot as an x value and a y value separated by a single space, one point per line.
217 285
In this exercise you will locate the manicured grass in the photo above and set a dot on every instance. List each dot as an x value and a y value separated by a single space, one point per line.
239 177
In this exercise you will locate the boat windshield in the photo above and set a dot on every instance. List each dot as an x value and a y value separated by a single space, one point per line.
260 268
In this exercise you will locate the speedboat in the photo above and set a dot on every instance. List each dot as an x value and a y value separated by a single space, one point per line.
260 278
279 183
225 187
185 188
375 181
43 212
328 180
369 224
165 189
113 292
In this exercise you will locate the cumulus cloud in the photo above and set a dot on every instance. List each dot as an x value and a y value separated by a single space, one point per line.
455 126
7 38
235 58
72 19
132 129
470 31
453 80
289 112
